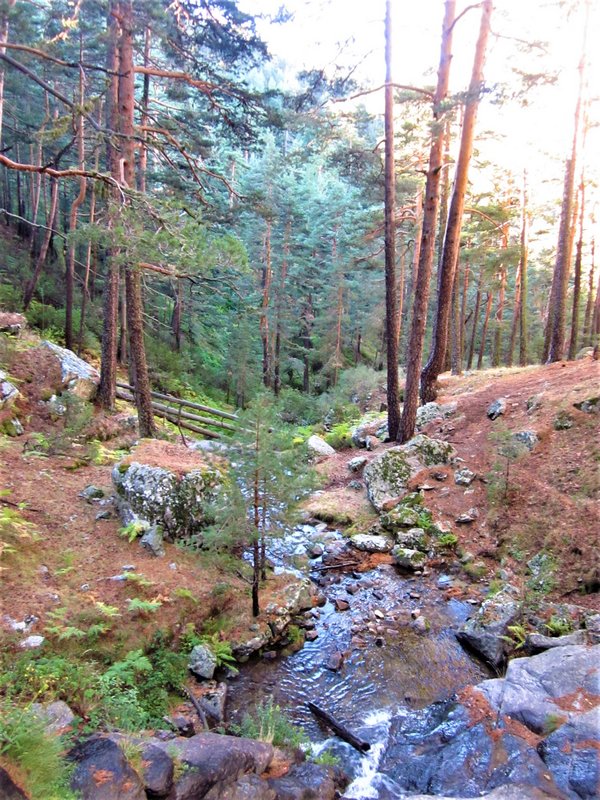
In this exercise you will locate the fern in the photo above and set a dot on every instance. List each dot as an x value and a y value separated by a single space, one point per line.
143 607
107 611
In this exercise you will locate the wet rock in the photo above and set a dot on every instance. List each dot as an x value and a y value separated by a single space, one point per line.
537 642
8 788
316 550
152 541
464 477
387 476
12 323
248 787
91 493
356 464
78 377
334 661
101 756
528 439
341 604
371 543
57 716
571 755
9 393
157 771
177 499
589 406
308 782
563 421
311 636
484 632
407 558
496 408
202 662
319 447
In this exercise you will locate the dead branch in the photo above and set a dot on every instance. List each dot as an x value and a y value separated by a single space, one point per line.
424 92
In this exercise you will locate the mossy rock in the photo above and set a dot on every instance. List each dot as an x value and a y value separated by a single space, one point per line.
400 517
408 558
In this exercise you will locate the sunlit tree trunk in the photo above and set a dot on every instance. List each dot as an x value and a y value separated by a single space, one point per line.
430 215
523 266
589 306
453 228
577 280
391 288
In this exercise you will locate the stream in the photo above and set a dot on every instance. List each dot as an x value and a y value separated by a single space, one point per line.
367 664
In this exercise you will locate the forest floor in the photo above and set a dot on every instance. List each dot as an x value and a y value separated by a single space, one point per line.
550 506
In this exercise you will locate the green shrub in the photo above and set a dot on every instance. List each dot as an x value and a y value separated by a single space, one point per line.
340 436
269 724
36 754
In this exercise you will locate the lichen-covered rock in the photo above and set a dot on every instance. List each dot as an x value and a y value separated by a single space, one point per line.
173 489
9 393
202 662
12 427
496 408
319 447
407 558
528 439
399 517
430 411
57 716
356 464
152 541
589 406
388 475
484 632
563 421
464 477
372 543
78 377
413 538
537 642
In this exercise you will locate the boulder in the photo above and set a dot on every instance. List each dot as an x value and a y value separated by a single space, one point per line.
91 493
202 662
308 782
496 408
484 632
431 411
319 447
12 427
57 716
371 543
157 771
537 642
464 477
212 760
9 789
9 393
387 476
102 772
528 439
414 538
32 642
248 787
78 377
368 427
563 421
407 558
167 485
152 541
571 755
11 323
401 516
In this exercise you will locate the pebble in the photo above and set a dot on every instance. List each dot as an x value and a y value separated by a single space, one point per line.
311 636
85 587
341 605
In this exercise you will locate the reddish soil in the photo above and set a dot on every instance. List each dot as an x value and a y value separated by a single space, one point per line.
552 500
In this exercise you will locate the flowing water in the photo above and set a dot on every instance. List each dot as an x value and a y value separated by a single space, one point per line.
386 665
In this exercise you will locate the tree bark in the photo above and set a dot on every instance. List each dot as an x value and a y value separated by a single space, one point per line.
555 330
430 214
589 306
31 285
110 310
4 38
475 319
85 294
391 288
264 309
577 280
133 281
523 265
279 306
452 236
486 320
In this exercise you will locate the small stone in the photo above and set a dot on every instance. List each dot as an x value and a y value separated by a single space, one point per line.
152 541
91 493
420 625
85 587
439 476
319 447
270 655
379 614
372 442
13 427
356 464
352 588
563 421
468 516
444 581
173 566
128 567
32 642
378 595
464 477
335 661
414 595
316 550
311 636
102 515
341 604
356 485
589 406
527 438
496 408
416 612
202 662
533 403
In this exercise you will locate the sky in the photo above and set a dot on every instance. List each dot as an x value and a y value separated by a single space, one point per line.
348 34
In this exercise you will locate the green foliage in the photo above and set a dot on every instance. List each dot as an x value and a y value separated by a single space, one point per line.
509 450
517 638
326 759
37 755
141 607
15 531
221 649
131 532
449 540
182 593
559 626
269 724
340 436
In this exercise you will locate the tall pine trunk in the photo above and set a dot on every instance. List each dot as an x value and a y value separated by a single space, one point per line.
264 309
475 319
449 259
589 306
39 264
391 288
486 320
577 280
430 215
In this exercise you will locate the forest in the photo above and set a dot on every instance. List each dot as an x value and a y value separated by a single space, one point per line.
299 343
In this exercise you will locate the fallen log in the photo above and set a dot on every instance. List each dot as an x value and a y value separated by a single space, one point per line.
178 401
173 416
341 565
339 729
